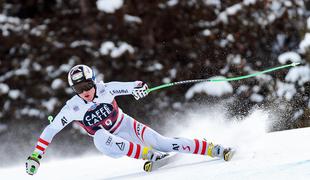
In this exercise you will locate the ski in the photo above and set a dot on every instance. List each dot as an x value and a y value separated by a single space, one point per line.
150 166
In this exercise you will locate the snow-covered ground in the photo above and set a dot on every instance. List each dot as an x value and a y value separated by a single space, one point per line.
260 155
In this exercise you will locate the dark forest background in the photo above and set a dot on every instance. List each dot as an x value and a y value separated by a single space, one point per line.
40 40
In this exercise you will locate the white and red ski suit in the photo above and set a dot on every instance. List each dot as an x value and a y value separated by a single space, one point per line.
115 133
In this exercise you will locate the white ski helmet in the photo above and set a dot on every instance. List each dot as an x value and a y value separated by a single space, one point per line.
80 73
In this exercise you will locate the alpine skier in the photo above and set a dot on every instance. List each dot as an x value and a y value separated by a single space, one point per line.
115 133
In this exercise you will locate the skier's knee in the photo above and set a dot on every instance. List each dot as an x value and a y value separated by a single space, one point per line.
162 144
100 136
103 142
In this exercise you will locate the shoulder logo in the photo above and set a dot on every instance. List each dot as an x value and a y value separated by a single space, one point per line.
119 91
102 91
76 108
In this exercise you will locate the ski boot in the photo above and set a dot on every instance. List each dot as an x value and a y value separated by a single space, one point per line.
220 152
151 155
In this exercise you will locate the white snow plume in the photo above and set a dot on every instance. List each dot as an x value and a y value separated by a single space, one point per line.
213 124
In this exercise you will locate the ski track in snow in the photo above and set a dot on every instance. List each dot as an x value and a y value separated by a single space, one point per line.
260 155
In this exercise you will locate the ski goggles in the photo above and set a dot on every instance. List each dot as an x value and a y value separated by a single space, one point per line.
83 86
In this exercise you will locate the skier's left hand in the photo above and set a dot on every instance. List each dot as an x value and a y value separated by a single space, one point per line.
33 163
140 91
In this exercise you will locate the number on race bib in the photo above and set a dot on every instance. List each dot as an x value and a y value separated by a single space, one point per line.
108 122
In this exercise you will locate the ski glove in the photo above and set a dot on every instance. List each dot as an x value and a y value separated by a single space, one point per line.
33 163
140 91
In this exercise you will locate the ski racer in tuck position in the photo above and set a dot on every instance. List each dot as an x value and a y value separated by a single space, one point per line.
115 133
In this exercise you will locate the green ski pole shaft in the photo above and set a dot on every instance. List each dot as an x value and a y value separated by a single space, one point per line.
220 80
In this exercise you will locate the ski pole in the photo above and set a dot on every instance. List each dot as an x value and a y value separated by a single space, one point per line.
222 79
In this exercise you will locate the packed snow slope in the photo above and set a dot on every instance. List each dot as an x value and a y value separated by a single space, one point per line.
260 155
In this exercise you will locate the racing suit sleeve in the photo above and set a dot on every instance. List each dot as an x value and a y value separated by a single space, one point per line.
62 119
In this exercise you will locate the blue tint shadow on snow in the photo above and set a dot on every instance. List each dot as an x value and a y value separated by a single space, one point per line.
167 167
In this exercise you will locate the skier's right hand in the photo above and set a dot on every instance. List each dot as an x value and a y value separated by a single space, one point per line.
33 163
140 91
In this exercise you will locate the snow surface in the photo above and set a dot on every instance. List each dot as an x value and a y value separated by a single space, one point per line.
260 155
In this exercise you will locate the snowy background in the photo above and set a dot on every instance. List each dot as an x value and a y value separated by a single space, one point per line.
157 42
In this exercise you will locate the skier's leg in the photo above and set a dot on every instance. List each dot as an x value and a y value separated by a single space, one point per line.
165 144
115 146
183 145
